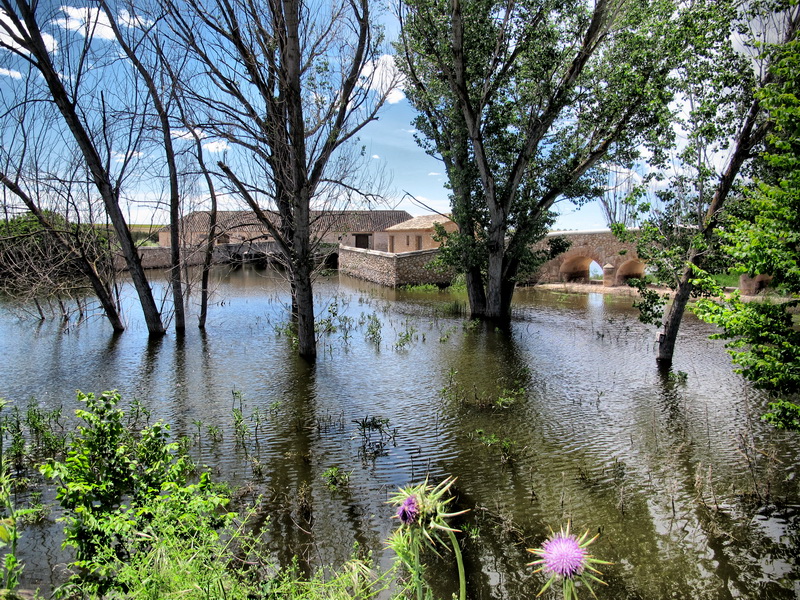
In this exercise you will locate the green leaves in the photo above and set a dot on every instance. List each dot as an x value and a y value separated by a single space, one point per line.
764 239
113 482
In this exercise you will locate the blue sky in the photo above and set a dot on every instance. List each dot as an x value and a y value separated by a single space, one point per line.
391 140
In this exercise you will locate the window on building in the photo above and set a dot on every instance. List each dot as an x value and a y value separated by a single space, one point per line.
362 240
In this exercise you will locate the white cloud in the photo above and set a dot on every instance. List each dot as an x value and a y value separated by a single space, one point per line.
185 134
375 156
433 174
10 73
395 96
219 146
86 21
49 41
126 19
120 157
383 77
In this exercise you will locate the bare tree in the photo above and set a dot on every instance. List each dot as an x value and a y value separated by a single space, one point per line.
288 86
100 116
140 42
60 252
616 200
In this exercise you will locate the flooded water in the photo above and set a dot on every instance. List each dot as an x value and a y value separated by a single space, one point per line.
564 418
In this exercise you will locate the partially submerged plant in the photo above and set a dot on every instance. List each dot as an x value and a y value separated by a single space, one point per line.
564 557
422 511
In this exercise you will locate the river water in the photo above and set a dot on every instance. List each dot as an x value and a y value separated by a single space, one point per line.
564 418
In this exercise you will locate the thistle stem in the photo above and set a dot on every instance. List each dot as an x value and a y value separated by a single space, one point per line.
462 578
418 573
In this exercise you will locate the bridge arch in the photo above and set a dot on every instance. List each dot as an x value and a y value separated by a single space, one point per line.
618 260
632 268
577 268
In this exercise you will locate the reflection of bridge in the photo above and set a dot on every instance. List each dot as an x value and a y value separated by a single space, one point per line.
618 260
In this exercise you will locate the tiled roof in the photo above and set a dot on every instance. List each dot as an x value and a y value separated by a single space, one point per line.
424 223
357 221
346 221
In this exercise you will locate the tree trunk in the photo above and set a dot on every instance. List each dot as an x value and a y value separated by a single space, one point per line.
169 155
672 321
95 165
476 293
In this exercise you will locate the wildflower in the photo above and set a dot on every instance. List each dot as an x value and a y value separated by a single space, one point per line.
564 556
408 511
423 514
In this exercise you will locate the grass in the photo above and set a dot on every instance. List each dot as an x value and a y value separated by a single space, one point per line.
727 279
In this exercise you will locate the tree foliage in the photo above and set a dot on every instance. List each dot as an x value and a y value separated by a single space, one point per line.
684 199
522 101
765 340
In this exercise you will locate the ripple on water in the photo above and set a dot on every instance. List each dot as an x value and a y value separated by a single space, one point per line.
664 464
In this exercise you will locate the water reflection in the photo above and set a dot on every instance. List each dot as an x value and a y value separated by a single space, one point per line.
563 417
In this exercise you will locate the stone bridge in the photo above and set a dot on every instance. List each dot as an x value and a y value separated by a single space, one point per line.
618 260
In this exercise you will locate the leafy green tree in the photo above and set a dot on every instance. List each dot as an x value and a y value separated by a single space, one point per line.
723 126
523 101
765 341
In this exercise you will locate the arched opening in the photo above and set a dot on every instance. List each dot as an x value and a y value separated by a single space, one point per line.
577 269
630 269
595 271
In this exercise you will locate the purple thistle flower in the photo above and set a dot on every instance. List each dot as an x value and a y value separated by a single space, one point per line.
408 511
562 555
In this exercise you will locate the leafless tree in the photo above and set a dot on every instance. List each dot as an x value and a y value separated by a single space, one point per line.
616 200
61 259
88 86
143 47
287 86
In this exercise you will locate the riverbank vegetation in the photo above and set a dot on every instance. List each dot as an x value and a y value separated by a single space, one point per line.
145 521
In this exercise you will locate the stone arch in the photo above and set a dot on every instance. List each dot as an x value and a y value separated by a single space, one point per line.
630 269
576 268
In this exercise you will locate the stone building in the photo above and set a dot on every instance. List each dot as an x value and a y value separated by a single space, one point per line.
416 234
357 228
407 249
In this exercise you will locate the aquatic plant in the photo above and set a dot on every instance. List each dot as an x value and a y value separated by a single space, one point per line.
564 557
9 533
335 477
423 515
374 327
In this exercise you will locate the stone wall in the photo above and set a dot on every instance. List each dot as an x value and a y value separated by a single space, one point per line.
154 257
391 270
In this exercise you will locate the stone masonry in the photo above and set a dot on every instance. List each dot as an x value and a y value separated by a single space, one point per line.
391 270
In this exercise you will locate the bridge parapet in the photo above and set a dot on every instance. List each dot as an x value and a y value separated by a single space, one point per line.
618 260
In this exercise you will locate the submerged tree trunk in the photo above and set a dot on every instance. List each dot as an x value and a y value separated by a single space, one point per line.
476 294
672 321
100 175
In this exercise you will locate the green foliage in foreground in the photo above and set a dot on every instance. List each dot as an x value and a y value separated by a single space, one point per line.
145 526
765 341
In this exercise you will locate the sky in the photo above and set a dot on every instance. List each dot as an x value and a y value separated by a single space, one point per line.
418 181
391 140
